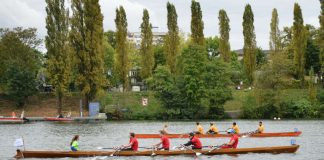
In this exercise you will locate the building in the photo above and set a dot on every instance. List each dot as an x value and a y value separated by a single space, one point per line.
135 37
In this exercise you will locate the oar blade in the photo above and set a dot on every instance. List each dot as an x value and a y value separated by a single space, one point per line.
198 153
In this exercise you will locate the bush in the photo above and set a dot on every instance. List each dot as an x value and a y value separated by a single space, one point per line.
301 108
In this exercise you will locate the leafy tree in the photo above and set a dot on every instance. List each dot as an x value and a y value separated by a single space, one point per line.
260 57
159 56
109 60
321 36
111 38
312 52
212 46
299 41
249 49
275 41
21 84
58 53
172 39
197 24
87 43
146 50
122 59
312 86
224 29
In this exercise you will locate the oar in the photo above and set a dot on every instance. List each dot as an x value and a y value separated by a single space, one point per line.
116 150
197 153
248 134
214 148
153 154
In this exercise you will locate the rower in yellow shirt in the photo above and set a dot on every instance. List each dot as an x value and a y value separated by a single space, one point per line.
200 129
236 128
212 129
260 128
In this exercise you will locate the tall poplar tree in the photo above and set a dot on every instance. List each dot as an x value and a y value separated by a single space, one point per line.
321 36
87 43
224 29
197 24
122 59
274 43
249 49
172 39
299 41
58 54
146 50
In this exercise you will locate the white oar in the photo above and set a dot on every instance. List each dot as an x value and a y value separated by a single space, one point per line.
214 148
197 153
117 150
153 154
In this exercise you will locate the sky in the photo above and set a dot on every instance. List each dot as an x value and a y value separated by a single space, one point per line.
31 13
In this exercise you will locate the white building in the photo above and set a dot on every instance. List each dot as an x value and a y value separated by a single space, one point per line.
135 37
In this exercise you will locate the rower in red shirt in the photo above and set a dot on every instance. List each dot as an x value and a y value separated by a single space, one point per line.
164 141
234 140
132 145
194 142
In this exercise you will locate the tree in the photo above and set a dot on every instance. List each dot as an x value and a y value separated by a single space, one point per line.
111 38
146 50
224 29
312 52
197 24
122 60
109 60
312 86
87 43
275 43
249 49
172 39
299 41
159 56
212 46
321 36
20 62
260 57
58 53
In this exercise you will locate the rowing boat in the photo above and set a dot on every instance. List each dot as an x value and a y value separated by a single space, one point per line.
61 154
11 120
58 119
255 135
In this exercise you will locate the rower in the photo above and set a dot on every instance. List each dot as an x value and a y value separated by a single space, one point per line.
132 145
212 129
165 129
260 128
74 143
234 140
235 128
200 129
164 141
194 142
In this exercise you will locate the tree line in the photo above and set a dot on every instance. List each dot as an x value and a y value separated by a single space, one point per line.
191 77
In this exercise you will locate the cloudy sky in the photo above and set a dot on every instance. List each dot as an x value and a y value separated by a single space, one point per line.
31 13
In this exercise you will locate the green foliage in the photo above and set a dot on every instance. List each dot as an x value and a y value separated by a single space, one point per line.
275 40
146 50
58 52
109 60
111 38
312 53
212 46
159 56
249 49
122 59
321 35
224 29
172 39
312 87
18 50
197 24
200 89
299 41
21 84
261 57
300 108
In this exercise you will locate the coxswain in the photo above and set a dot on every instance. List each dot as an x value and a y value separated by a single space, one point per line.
233 141
194 142
132 145
74 143
212 129
260 128
165 141
199 129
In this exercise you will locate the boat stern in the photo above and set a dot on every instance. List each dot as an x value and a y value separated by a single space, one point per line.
19 154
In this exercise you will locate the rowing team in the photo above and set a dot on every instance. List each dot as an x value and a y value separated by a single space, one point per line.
213 129
193 143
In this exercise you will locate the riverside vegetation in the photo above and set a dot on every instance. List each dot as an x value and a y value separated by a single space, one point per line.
190 78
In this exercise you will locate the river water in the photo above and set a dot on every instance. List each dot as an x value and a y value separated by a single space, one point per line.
57 136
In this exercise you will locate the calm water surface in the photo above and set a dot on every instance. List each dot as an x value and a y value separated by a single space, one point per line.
57 136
